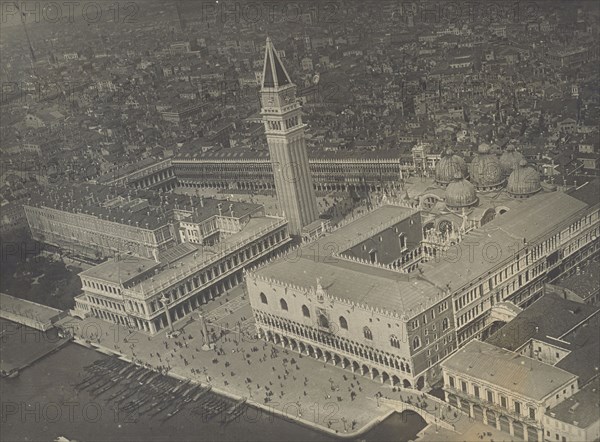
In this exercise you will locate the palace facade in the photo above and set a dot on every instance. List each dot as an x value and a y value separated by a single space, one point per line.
352 299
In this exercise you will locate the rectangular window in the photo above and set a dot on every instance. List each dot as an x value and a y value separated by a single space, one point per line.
517 407
490 396
476 391
503 401
463 385
451 381
532 412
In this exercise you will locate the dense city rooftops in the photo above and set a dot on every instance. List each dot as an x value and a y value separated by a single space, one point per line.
506 369
581 409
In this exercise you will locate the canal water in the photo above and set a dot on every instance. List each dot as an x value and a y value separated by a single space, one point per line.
42 404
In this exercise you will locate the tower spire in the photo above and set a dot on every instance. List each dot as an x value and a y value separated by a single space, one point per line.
274 73
282 116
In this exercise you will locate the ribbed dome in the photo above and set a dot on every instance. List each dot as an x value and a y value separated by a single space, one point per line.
524 181
486 172
460 193
510 160
448 166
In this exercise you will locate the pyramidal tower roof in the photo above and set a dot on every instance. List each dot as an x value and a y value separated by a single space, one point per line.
274 73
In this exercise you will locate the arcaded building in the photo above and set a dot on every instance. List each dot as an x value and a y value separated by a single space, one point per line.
140 293
393 293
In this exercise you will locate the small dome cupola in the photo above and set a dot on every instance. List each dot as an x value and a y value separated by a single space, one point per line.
486 172
524 181
460 193
448 166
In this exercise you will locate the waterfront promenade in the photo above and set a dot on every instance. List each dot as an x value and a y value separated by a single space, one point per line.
276 380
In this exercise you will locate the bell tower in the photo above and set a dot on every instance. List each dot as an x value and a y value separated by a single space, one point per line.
282 115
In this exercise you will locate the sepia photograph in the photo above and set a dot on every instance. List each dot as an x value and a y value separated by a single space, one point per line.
300 221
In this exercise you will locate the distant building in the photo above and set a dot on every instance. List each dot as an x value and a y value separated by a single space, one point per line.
504 389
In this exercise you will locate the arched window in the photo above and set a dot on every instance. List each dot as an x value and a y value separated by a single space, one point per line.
367 333
402 241
394 341
283 304
445 324
343 323
323 321
263 298
305 311
416 343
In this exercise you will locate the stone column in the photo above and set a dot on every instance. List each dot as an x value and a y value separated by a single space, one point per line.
166 301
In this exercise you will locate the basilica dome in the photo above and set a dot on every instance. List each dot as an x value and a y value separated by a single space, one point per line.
510 160
524 181
448 166
460 193
486 172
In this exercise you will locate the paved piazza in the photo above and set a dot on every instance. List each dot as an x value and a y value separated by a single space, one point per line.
318 394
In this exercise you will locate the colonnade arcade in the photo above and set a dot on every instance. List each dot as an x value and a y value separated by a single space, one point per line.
164 179
177 311
261 185
336 350
517 427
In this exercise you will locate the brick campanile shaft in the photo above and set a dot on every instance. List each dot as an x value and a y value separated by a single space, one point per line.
282 115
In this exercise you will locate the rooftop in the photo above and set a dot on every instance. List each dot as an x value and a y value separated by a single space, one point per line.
581 409
361 229
507 233
188 262
22 307
588 193
508 370
585 283
354 282
584 343
550 315
120 270
140 208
